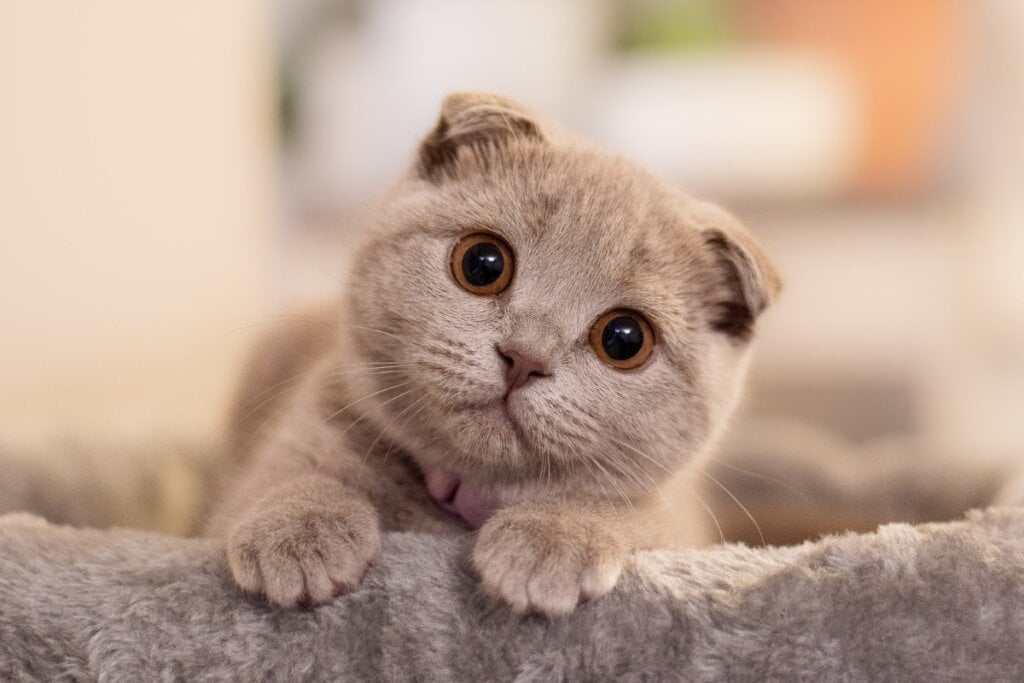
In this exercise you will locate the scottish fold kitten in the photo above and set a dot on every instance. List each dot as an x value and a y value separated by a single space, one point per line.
538 341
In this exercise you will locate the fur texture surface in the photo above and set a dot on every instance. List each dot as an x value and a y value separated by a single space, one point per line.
932 602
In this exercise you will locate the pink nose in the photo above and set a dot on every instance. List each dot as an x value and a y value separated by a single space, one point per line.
522 368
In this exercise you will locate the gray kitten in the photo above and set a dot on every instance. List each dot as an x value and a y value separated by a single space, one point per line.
537 340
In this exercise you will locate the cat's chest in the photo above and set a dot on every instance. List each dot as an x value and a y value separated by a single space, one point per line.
404 503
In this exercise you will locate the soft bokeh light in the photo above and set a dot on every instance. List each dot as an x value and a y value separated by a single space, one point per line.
173 176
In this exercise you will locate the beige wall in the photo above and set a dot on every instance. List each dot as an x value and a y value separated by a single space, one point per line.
135 167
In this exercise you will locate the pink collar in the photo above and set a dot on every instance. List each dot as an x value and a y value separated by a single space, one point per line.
458 498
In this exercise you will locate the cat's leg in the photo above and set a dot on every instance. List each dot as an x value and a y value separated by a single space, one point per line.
299 526
549 556
306 540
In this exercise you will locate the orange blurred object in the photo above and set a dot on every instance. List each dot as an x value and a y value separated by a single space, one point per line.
902 58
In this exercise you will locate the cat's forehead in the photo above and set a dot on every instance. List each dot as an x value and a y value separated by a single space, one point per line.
595 217
593 229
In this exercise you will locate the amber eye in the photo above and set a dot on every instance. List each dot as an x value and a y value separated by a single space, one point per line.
482 263
623 339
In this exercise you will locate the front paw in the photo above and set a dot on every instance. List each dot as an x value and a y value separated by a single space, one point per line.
548 562
298 551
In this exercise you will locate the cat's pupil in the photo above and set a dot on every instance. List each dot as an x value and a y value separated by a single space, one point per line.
622 337
482 264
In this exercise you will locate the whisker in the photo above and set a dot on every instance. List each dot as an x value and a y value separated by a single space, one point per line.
366 368
301 375
359 419
388 425
338 277
622 467
721 534
649 458
737 501
257 396
405 423
374 329
364 398
763 477
654 482
615 484
262 428
283 385
372 364
339 377
580 458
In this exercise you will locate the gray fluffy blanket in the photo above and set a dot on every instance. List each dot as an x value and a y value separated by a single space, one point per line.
927 602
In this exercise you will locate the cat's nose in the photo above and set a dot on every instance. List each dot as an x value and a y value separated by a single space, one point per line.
521 367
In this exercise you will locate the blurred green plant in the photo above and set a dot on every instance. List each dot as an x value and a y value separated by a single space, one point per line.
676 25
327 15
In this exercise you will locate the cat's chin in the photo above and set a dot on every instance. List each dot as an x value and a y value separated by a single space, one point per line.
492 426
497 414
496 409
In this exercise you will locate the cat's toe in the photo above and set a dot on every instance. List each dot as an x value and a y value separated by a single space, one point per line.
545 566
302 558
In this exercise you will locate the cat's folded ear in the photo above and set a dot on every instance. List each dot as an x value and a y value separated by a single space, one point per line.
478 122
747 281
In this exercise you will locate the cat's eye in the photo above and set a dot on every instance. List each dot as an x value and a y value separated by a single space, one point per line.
482 263
622 338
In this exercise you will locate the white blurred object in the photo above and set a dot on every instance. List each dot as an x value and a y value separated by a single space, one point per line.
852 310
977 390
370 95
997 171
744 124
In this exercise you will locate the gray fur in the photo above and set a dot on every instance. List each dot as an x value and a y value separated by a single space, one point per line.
937 601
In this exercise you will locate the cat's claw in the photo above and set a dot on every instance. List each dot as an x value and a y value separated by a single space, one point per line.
539 563
303 555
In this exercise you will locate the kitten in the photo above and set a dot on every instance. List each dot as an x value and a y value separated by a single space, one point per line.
537 340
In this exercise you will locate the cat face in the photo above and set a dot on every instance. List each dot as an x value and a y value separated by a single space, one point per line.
508 257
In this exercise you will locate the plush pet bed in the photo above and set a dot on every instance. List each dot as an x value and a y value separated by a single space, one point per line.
931 602
914 601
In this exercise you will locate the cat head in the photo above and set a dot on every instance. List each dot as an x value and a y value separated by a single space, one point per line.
551 313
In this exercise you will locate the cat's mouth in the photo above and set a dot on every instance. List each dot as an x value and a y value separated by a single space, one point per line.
500 409
454 496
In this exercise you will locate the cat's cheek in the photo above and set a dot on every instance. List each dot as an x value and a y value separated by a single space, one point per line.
537 563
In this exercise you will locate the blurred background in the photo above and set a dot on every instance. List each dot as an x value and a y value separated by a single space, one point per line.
173 175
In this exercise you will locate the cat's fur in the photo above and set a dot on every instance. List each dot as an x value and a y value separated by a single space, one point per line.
345 408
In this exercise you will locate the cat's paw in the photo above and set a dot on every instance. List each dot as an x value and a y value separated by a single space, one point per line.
299 552
536 561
